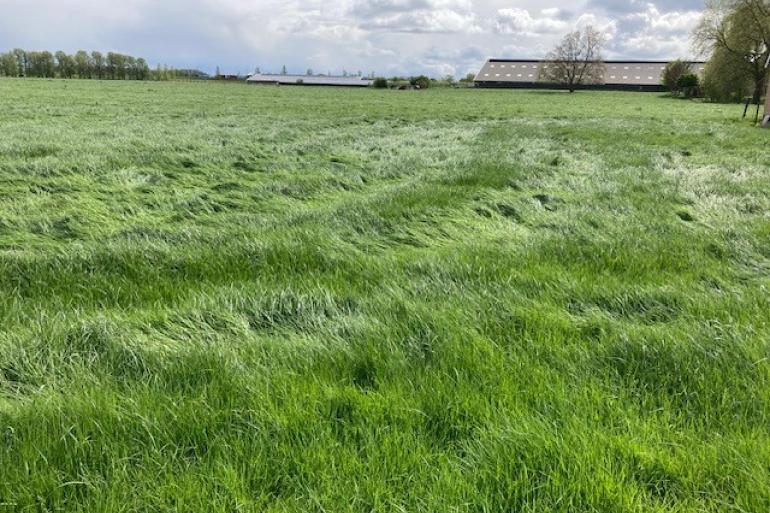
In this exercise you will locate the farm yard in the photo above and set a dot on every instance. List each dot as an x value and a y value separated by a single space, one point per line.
223 298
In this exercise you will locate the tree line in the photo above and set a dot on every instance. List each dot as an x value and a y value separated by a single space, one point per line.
83 65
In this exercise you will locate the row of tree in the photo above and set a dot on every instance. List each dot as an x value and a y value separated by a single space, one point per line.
85 65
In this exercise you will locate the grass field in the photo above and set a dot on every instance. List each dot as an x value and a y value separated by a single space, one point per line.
220 298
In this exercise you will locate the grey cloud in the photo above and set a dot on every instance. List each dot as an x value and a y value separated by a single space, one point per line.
620 7
394 36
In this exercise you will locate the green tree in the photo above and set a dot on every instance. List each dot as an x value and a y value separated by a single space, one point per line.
727 78
115 66
82 64
673 72
8 65
97 64
41 65
737 32
421 82
65 65
689 85
380 83
142 69
22 61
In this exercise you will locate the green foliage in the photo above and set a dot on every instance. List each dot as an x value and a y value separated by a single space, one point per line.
81 65
380 83
737 33
8 65
220 298
673 73
727 78
689 80
689 85
420 81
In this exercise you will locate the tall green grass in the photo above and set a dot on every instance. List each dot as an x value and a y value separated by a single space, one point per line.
224 298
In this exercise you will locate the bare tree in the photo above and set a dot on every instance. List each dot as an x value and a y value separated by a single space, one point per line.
740 28
576 61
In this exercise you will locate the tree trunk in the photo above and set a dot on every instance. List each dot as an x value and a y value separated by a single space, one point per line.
766 119
756 98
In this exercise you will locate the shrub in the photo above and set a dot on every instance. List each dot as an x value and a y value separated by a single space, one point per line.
689 85
380 83
422 82
674 71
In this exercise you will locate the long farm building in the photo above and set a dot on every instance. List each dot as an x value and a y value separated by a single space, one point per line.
619 75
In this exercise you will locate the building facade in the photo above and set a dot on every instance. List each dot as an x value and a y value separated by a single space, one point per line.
619 75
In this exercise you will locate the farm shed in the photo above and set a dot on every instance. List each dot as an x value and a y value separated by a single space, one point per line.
309 80
619 75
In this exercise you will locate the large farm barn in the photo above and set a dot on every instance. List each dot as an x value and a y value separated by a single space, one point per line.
619 75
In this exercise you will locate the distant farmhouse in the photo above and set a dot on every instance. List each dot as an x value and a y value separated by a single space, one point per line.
620 75
309 80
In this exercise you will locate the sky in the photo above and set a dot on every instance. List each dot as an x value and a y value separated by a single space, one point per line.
388 37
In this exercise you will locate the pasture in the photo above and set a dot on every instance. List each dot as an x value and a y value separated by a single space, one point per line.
217 298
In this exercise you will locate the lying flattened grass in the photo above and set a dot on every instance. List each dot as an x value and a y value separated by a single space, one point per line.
278 299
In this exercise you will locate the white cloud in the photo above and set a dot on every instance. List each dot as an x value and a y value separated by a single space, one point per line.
519 21
389 36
